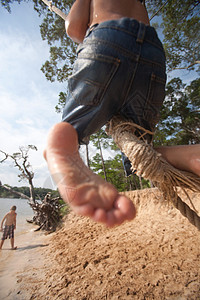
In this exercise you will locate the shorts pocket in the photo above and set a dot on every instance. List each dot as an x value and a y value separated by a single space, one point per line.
155 98
92 74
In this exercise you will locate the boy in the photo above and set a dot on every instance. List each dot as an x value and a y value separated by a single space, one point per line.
120 69
10 226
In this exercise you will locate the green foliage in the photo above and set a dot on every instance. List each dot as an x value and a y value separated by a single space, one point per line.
112 167
180 122
64 208
105 140
6 4
62 48
115 173
40 192
180 24
61 102
180 116
102 138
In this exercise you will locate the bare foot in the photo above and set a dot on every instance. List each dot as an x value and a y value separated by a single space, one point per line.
14 248
185 157
87 194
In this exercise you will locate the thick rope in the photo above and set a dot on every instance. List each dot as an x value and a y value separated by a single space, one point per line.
152 166
55 9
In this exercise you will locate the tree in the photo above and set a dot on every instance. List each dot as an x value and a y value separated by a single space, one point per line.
115 173
179 20
180 23
22 191
62 49
20 160
114 170
180 116
111 169
48 211
100 140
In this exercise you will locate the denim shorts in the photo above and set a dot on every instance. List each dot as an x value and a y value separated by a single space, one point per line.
120 69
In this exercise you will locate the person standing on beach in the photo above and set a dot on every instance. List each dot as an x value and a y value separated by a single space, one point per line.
10 226
119 70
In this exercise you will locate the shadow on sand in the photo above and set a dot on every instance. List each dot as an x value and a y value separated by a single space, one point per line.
32 247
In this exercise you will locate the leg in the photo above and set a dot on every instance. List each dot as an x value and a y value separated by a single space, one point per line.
186 157
12 244
1 244
86 193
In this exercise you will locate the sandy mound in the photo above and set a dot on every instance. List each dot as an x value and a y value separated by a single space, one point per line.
156 256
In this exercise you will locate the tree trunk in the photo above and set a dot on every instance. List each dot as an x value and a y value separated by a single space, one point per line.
135 182
102 160
32 191
140 180
87 157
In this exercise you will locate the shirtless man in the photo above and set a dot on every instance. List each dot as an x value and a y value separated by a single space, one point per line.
10 226
118 55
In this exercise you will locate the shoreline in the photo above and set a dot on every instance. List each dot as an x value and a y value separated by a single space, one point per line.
155 256
14 262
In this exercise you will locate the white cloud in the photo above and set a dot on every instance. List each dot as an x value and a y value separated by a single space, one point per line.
27 100
24 124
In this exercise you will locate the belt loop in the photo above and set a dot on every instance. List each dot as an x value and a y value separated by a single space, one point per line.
141 33
94 26
91 28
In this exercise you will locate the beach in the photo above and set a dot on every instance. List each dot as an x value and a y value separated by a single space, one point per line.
155 256
13 263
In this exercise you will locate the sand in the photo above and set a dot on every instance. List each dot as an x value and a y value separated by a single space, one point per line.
155 256
13 263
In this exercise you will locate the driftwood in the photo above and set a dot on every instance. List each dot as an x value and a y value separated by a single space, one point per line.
47 213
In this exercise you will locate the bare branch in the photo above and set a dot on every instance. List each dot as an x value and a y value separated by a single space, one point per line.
20 160
6 156
158 10
188 67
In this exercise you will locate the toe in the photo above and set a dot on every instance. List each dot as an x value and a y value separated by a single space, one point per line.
126 207
99 215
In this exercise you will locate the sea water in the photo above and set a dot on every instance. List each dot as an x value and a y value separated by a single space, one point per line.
24 213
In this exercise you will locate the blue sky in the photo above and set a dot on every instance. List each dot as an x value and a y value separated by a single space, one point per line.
28 100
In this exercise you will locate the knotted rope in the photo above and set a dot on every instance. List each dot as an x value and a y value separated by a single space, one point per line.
152 166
